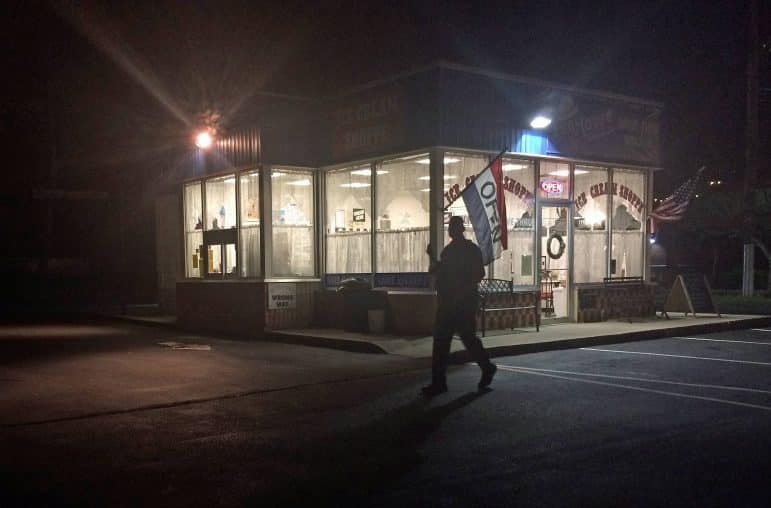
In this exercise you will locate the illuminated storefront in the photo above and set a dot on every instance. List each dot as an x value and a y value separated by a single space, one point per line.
277 232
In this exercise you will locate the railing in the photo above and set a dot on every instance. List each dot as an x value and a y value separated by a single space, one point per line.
489 287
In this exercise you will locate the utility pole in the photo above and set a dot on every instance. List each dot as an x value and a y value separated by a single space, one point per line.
751 149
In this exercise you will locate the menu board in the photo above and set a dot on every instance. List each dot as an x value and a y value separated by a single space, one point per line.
700 293
691 294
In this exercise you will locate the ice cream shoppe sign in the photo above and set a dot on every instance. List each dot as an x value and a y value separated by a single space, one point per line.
282 295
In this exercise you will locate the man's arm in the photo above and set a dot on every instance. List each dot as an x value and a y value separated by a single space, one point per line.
433 264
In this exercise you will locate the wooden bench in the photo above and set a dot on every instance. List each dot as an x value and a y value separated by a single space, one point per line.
622 280
491 287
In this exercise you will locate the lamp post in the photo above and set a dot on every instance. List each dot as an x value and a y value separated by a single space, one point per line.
751 150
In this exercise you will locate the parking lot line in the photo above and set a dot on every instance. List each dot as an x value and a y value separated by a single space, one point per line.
724 340
635 388
761 330
642 379
674 356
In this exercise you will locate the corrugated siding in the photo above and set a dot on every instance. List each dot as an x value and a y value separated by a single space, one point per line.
236 150
299 317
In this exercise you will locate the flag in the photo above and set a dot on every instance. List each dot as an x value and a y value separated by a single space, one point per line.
673 207
487 209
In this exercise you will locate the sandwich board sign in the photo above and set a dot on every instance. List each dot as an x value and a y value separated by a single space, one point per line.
690 294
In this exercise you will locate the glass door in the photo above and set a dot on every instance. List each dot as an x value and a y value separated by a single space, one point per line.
554 273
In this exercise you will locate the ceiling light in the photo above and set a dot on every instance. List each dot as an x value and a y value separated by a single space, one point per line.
277 174
301 183
446 177
368 172
540 122
514 167
566 172
355 185
447 160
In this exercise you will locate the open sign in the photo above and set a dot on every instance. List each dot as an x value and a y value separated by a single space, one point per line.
552 186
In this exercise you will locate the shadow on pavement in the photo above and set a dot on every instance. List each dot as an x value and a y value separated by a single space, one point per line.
366 460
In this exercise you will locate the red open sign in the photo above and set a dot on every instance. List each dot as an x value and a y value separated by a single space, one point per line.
552 186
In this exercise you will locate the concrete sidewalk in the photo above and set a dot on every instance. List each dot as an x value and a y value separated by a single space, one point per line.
550 336
505 342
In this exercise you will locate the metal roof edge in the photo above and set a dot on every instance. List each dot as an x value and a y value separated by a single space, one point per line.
444 64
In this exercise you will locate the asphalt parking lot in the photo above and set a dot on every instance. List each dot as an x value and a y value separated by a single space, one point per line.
729 368
681 421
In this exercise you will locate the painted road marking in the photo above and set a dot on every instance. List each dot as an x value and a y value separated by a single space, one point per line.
645 380
761 330
635 388
673 356
724 340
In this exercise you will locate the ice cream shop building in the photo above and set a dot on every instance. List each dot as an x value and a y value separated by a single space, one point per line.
307 195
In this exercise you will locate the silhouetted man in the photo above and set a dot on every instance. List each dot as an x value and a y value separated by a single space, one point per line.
458 273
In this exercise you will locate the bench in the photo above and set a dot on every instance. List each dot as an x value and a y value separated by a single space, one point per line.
491 287
622 280
627 281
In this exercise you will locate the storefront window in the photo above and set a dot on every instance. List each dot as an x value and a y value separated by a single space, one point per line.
193 229
458 170
221 259
349 220
554 182
250 224
628 223
221 203
292 220
517 263
402 215
590 231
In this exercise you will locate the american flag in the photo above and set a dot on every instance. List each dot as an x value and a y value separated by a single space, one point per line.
673 207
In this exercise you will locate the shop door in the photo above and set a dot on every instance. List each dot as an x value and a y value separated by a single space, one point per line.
555 252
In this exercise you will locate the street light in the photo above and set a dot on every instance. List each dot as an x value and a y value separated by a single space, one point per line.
204 140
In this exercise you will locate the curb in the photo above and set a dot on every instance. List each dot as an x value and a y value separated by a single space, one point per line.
359 346
139 321
599 340
353 346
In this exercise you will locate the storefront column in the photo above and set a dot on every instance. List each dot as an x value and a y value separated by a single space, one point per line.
647 227
266 226
373 218
436 204
609 224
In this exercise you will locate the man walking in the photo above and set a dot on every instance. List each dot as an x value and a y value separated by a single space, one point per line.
458 273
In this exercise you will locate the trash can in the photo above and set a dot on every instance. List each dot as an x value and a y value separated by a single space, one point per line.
376 320
356 300
366 308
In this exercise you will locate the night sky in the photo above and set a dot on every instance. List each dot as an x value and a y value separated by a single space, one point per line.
109 91
121 76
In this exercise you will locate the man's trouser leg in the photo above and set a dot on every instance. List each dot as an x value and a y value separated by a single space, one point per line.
441 350
471 342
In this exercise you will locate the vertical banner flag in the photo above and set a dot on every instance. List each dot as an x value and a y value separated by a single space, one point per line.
487 210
